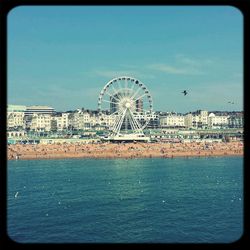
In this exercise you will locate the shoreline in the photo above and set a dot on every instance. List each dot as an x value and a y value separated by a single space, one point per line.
125 158
123 151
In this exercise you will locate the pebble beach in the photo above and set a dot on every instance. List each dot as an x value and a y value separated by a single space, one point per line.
123 150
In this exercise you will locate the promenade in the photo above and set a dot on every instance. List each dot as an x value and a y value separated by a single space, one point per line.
124 150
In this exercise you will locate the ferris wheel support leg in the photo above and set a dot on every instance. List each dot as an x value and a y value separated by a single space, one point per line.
121 121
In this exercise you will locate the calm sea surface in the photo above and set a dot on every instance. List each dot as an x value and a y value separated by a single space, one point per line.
123 201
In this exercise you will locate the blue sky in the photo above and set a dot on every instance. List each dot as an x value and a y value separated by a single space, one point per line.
62 56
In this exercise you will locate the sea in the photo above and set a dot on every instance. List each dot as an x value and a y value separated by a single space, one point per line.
149 200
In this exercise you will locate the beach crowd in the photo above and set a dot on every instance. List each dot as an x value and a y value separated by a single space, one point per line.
123 150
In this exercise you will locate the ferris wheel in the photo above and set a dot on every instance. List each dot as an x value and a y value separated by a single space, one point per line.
129 104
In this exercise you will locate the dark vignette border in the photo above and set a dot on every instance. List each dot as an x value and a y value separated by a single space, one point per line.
5 7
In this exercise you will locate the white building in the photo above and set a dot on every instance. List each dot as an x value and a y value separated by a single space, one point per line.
16 134
86 120
203 116
62 121
82 120
74 120
15 117
199 120
215 121
188 120
152 120
172 120
40 122
106 120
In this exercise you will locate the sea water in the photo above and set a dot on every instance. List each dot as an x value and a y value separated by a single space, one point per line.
154 200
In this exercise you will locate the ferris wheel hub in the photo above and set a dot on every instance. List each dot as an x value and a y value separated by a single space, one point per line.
128 105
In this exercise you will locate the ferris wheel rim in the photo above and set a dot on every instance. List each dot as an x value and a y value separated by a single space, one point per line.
126 91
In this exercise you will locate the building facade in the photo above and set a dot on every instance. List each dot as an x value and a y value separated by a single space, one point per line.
173 121
45 119
15 117
40 123
217 121
61 121
236 121
197 120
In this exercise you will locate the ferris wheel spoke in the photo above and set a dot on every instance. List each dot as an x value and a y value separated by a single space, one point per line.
126 86
120 113
131 123
126 121
112 96
115 113
117 121
116 92
121 121
132 88
124 93
137 123
119 124
138 98
120 92
135 127
115 124
112 85
117 117
135 94
109 101
120 87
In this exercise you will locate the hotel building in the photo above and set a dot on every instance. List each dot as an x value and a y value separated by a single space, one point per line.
15 117
172 120
217 121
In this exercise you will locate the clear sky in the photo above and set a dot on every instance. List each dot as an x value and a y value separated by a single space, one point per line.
62 56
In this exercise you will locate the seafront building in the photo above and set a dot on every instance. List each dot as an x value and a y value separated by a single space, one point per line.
86 120
198 119
172 120
40 121
60 121
236 121
36 109
15 117
218 121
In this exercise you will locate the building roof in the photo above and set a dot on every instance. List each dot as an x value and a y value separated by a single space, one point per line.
16 108
39 107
